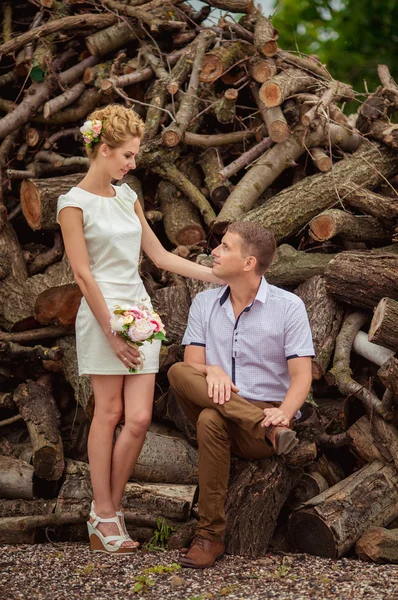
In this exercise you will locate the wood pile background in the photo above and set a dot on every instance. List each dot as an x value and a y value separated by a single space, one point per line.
236 128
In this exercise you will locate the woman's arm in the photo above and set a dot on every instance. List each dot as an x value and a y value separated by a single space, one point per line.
167 260
70 220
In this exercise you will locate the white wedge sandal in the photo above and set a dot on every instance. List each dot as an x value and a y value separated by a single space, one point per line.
101 543
120 515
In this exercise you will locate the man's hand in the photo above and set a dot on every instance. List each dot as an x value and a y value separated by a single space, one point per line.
219 385
274 416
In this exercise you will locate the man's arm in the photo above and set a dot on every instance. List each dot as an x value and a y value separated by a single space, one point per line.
219 384
300 371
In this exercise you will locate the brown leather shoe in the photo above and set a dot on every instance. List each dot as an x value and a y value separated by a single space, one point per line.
201 554
282 438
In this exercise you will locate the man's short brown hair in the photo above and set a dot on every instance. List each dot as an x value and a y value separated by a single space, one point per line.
256 241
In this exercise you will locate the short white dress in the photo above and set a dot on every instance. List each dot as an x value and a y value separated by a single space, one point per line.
112 232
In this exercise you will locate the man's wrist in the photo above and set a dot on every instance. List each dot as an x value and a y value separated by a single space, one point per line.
287 412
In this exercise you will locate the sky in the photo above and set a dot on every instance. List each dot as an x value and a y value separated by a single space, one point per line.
267 5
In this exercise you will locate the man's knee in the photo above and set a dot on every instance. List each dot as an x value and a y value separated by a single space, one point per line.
210 422
182 373
178 373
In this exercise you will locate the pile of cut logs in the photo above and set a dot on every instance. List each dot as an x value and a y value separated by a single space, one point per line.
235 129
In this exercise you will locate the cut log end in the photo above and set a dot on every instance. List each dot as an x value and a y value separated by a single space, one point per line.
324 164
89 75
220 227
309 534
377 320
191 234
322 161
31 204
32 136
92 47
262 71
271 94
58 305
171 138
317 371
212 69
322 228
231 94
47 465
106 85
173 87
279 131
219 195
269 49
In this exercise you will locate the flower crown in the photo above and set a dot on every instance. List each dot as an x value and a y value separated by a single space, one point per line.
91 131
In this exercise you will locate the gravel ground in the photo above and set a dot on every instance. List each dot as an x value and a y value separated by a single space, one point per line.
69 571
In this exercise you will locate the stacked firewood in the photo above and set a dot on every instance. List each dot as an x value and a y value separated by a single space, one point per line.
235 129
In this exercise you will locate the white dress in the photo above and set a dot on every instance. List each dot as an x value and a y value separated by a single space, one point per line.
112 232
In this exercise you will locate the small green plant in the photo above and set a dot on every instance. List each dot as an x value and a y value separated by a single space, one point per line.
282 571
143 583
87 570
227 590
157 569
160 536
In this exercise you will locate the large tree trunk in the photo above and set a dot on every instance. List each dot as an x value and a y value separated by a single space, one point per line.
378 545
37 407
388 374
166 459
154 500
325 316
256 493
331 523
180 217
362 443
39 199
291 267
16 478
334 222
83 391
172 303
383 329
18 296
58 305
362 278
294 207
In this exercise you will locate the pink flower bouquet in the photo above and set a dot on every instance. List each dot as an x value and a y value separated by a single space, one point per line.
137 324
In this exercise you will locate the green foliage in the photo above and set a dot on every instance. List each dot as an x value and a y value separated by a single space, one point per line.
86 571
161 569
37 73
160 536
351 36
143 582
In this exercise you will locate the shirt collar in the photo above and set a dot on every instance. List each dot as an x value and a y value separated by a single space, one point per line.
260 296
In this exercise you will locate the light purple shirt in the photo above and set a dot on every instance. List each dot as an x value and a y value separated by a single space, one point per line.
254 348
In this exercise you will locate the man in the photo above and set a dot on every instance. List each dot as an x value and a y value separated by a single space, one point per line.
248 337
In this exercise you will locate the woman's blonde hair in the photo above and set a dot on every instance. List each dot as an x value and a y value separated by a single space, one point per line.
118 125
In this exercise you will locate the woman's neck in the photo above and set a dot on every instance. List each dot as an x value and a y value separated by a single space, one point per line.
97 182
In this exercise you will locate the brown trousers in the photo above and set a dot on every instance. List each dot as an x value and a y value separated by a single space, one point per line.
221 429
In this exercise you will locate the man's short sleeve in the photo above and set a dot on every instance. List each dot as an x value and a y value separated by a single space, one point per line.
298 337
195 331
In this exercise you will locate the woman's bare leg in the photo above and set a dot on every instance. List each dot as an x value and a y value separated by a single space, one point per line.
108 412
138 403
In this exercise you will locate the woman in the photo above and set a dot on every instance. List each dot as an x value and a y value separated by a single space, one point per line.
104 229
